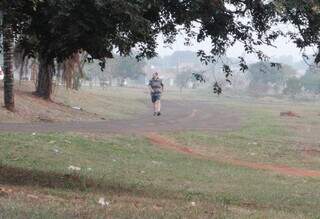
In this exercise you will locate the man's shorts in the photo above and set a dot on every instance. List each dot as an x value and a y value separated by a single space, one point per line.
155 97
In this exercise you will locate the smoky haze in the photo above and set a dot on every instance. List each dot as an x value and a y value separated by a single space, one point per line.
283 47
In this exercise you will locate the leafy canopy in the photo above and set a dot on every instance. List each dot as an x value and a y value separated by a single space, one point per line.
102 25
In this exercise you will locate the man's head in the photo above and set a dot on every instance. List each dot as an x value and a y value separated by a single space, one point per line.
155 75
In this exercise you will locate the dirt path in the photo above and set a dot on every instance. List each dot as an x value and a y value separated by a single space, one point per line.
177 116
285 170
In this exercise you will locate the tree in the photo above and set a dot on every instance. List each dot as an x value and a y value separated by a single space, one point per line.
184 78
120 68
293 87
65 27
15 14
127 67
265 74
8 39
311 79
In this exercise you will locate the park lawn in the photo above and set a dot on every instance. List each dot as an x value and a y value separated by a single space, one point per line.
140 180
265 136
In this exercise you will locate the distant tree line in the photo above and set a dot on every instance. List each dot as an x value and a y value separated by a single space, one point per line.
283 79
119 69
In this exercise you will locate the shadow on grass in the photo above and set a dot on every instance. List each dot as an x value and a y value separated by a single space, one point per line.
76 182
15 176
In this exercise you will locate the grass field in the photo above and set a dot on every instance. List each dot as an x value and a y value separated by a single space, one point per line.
139 179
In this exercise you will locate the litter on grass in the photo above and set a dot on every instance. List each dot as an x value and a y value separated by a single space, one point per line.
103 202
74 168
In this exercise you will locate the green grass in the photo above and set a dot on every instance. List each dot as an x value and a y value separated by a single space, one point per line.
129 169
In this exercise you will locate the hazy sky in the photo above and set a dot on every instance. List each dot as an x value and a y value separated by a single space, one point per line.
284 48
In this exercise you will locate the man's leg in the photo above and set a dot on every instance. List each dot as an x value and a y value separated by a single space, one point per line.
154 103
159 105
155 108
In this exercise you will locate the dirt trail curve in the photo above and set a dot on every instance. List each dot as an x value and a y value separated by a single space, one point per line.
177 116
281 169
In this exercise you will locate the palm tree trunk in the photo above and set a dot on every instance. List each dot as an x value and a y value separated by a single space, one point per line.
8 40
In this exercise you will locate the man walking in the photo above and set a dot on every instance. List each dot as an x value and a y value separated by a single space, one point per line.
156 89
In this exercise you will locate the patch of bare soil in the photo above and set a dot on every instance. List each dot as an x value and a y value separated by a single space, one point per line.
311 152
285 170
30 108
289 114
170 144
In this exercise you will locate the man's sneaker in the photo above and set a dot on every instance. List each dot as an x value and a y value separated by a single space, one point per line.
154 114
158 114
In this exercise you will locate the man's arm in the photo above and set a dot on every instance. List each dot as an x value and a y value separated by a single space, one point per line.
150 87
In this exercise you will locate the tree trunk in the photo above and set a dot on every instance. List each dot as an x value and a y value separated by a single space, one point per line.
8 40
45 76
34 70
